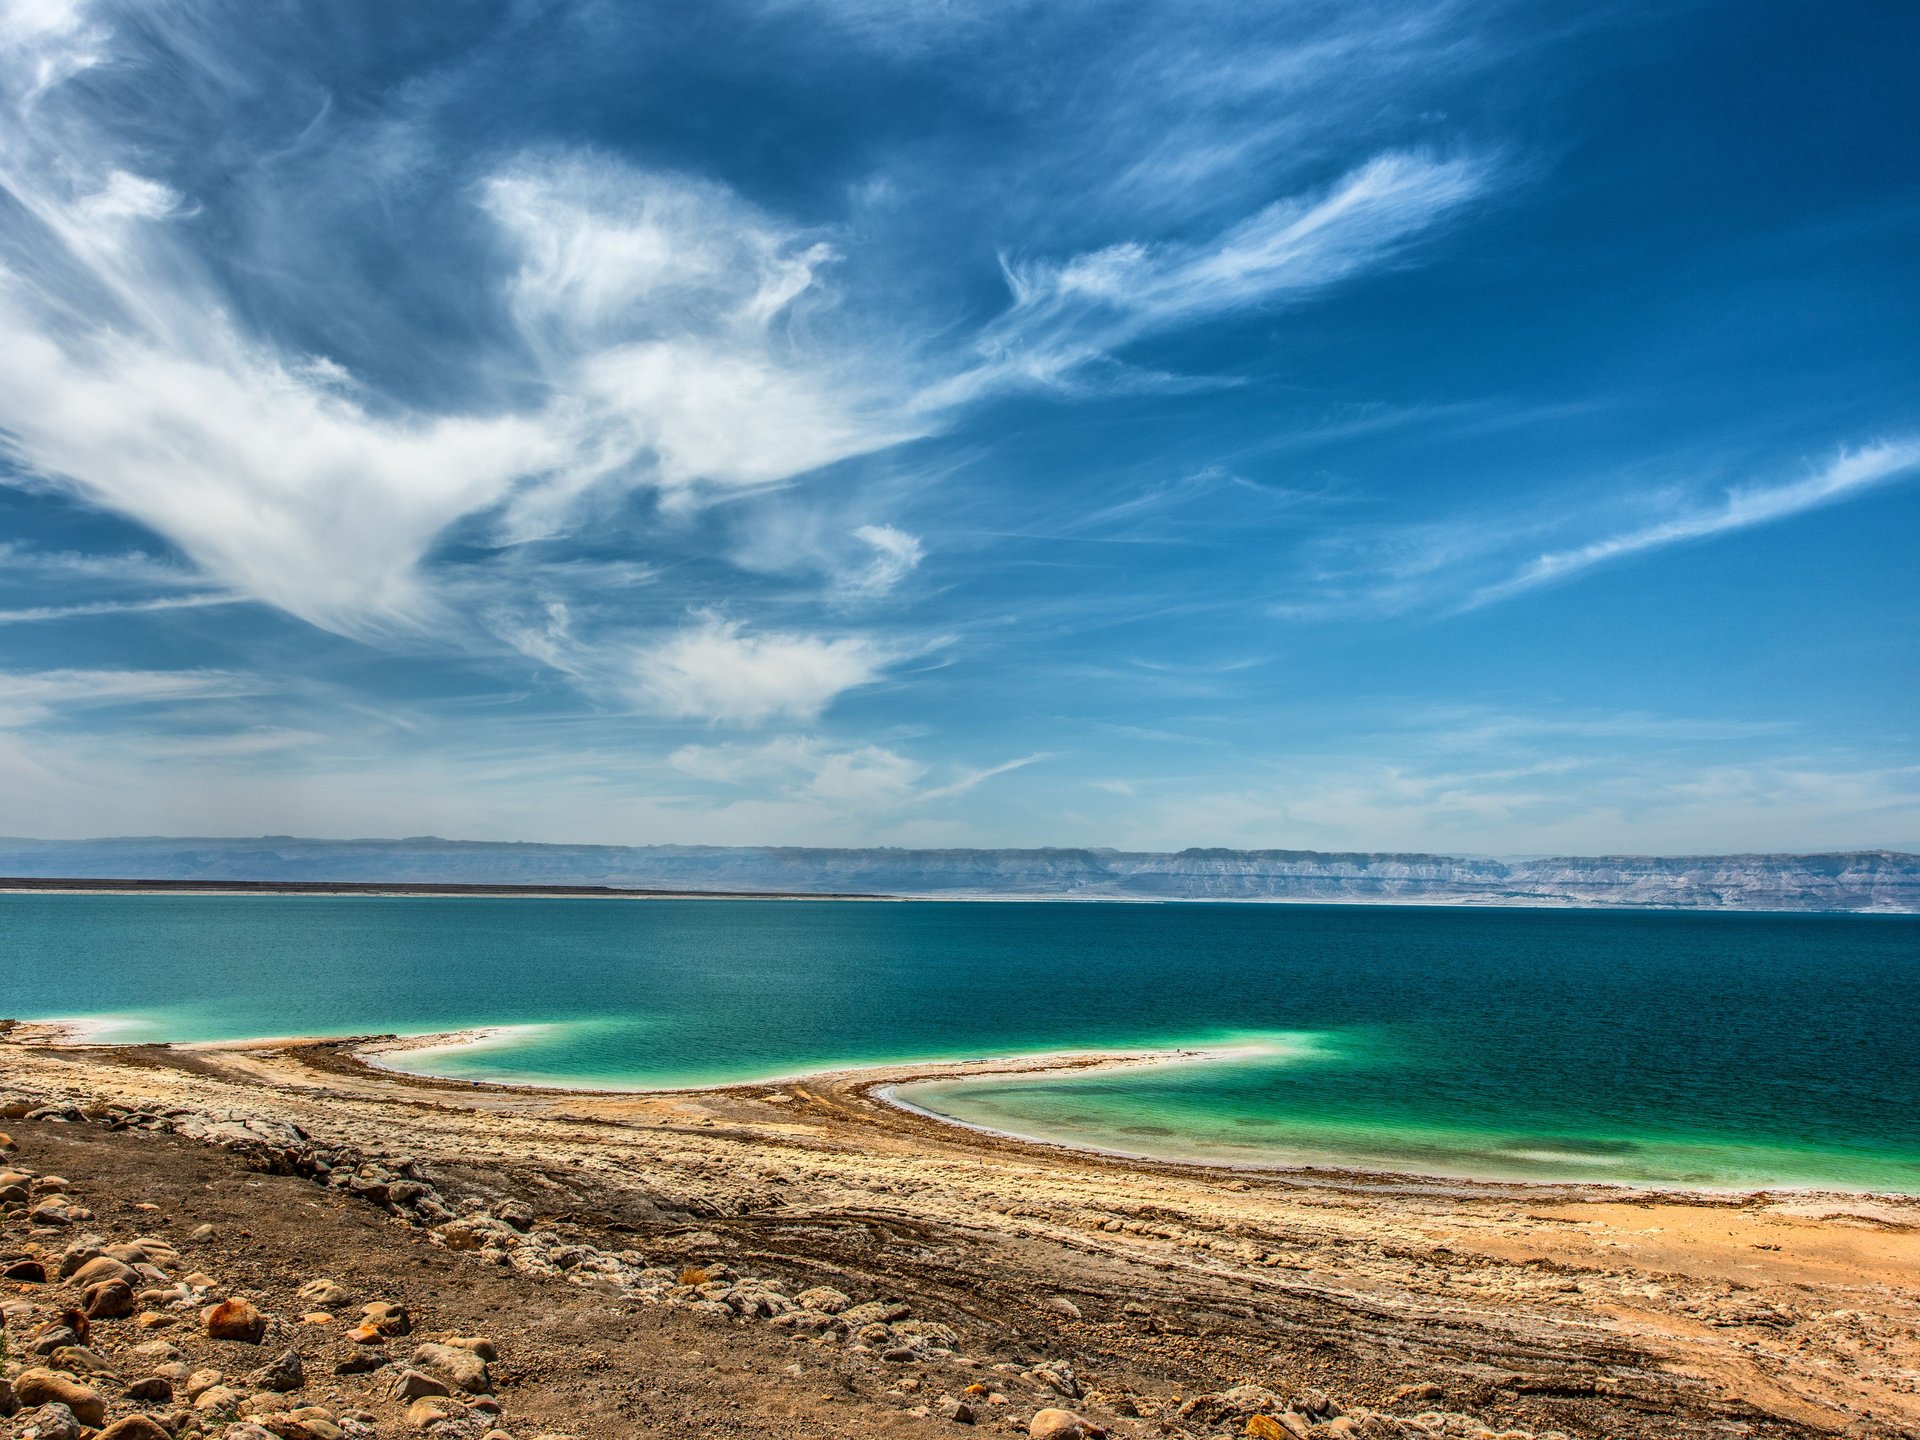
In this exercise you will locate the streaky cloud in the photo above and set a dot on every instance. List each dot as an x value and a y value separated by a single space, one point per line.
1068 314
1851 473
33 614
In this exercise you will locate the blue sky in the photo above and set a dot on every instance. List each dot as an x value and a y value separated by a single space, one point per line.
1468 427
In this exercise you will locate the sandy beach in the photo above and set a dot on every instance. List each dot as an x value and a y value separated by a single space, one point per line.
1588 1310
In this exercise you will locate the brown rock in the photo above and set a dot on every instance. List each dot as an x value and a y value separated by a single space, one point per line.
365 1334
135 1427
51 1211
7 1147
104 1267
1265 1427
433 1410
324 1294
44 1387
79 1360
1052 1424
109 1300
26 1272
387 1316
199 1382
216 1398
460 1367
301 1425
409 1384
154 1389
50 1422
283 1374
235 1319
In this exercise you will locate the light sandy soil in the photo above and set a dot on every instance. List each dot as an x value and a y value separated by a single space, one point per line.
1590 1310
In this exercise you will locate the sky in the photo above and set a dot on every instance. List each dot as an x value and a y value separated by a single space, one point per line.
1487 428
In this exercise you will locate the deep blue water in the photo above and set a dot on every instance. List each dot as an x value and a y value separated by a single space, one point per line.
1711 1049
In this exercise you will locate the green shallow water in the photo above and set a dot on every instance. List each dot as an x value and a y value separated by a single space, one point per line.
1717 1050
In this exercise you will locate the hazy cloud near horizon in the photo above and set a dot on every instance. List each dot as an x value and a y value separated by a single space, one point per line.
802 421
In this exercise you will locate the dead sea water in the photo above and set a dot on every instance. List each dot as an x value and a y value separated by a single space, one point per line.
1663 1048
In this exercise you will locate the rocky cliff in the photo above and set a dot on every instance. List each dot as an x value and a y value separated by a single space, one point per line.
1868 880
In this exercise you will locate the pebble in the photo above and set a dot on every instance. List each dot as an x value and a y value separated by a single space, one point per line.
411 1384
1051 1424
324 1294
217 1398
103 1267
135 1427
49 1422
460 1367
108 1300
45 1387
432 1410
387 1316
235 1319
282 1374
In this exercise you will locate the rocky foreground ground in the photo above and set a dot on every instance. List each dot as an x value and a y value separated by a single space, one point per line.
276 1240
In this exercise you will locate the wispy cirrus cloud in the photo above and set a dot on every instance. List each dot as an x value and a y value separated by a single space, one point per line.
1853 472
34 696
849 778
1472 560
666 336
33 614
1067 315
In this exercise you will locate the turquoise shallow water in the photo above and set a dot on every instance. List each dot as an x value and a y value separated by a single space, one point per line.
1724 1050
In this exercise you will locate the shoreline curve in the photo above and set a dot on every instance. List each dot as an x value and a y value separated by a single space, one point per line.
874 1088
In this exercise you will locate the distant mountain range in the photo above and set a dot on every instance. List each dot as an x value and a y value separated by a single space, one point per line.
1865 880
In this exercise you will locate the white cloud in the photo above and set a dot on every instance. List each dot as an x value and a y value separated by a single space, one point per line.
717 672
861 777
850 779
667 310
32 697
896 555
669 336
130 567
1851 473
1067 314
298 497
33 614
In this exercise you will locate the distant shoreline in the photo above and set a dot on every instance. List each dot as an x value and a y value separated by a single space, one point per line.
33 885
432 889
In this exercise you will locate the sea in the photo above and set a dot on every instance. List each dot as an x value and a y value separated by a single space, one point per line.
1644 1048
